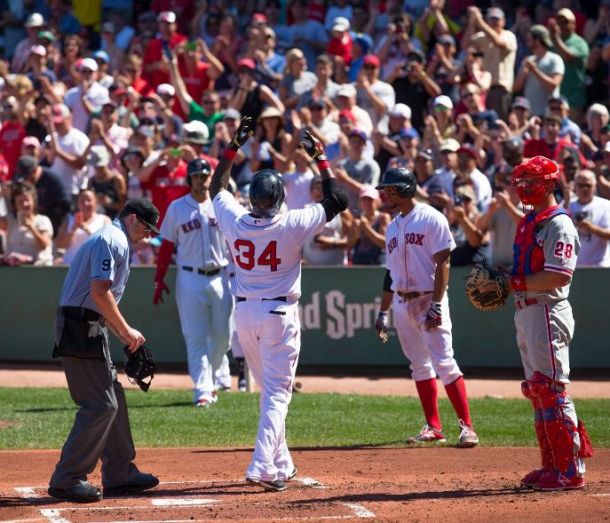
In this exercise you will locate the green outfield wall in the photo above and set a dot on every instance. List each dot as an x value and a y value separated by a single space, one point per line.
338 310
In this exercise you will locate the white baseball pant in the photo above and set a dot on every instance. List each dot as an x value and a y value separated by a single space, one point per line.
270 334
429 351
205 306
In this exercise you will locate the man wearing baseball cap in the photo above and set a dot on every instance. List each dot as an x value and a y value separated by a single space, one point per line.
560 105
156 71
541 73
39 67
67 145
346 100
373 95
550 144
11 134
574 51
499 48
88 310
33 25
203 296
356 170
88 96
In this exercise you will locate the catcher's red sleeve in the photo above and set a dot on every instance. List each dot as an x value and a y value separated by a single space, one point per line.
164 259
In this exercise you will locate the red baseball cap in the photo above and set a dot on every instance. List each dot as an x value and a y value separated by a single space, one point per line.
260 18
371 59
347 114
468 149
248 63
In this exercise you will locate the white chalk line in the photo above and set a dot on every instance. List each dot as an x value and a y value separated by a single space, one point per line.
54 515
183 502
27 492
309 482
359 510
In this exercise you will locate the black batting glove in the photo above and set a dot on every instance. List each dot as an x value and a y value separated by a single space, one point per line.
244 131
313 146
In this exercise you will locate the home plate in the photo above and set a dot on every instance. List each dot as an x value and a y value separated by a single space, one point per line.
183 502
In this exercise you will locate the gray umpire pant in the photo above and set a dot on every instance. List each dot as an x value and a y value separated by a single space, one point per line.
101 426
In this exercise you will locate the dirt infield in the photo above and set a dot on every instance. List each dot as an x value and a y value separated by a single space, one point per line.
380 484
45 375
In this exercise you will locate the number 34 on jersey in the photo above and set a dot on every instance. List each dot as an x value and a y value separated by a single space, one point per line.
247 256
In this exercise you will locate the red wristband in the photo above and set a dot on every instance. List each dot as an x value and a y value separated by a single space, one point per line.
518 283
323 164
229 154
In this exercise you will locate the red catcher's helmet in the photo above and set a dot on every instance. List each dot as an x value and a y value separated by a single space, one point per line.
534 178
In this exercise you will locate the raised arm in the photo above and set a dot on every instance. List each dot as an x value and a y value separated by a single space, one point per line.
335 198
222 173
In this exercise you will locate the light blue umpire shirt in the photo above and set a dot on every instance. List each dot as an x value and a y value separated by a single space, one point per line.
105 255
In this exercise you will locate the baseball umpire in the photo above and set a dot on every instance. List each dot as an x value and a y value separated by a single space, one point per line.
266 246
203 292
545 251
88 307
418 245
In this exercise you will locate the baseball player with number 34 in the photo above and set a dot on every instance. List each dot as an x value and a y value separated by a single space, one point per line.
266 247
418 245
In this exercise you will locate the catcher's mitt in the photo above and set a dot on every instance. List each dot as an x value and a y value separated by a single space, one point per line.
139 366
487 288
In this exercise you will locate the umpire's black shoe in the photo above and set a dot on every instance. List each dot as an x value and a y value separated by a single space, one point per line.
139 484
82 493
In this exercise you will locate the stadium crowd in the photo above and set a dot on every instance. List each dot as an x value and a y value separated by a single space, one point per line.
105 101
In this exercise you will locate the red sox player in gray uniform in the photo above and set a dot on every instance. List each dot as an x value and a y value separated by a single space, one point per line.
545 250
418 245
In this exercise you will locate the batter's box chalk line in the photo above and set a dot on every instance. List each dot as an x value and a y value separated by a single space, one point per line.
54 515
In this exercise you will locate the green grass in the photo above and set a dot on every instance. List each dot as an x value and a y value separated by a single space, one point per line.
41 418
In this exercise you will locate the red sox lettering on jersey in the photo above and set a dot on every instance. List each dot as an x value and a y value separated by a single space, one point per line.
191 226
420 232
202 289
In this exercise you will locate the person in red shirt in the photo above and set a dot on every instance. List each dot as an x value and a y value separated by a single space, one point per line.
184 10
156 70
551 145
167 181
198 76
11 134
132 71
341 42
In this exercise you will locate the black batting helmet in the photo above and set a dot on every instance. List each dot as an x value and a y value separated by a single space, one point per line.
266 193
197 166
402 179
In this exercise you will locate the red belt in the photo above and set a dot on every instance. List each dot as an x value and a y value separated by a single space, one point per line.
521 304
411 295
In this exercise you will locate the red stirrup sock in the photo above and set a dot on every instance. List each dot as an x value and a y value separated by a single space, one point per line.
457 395
428 394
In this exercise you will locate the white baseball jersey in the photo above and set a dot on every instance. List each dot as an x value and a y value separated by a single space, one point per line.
411 241
267 251
193 226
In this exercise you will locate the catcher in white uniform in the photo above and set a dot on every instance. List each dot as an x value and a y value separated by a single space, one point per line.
418 244
266 247
203 295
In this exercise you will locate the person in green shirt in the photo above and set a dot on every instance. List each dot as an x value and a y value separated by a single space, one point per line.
209 110
574 50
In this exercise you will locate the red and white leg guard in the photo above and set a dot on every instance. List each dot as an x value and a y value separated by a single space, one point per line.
560 424
546 452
